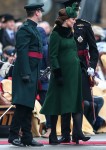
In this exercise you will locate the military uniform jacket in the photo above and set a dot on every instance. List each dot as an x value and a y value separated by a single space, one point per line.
27 40
85 39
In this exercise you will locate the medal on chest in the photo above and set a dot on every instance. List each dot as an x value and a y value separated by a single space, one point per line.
80 39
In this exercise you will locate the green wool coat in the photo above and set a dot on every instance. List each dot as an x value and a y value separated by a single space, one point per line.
27 39
63 54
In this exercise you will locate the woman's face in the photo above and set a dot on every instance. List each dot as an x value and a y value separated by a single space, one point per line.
70 22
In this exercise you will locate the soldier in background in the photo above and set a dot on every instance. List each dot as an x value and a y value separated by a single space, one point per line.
8 33
45 63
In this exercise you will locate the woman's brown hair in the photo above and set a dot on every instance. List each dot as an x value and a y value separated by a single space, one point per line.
62 17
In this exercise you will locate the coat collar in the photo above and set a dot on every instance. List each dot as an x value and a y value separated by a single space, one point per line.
63 31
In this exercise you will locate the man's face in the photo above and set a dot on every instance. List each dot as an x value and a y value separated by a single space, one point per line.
10 24
39 15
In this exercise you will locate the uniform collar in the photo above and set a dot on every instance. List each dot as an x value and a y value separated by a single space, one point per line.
31 22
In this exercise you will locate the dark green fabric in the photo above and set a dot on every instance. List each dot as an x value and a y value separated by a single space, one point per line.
63 54
27 39
72 11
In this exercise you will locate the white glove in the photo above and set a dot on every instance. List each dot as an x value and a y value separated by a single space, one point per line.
90 71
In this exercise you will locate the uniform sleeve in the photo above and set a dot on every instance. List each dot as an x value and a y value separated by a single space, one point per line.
53 50
23 38
46 55
92 47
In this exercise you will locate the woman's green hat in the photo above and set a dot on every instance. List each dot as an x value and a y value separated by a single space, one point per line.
72 11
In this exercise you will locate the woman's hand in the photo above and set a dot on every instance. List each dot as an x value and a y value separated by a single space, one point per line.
58 76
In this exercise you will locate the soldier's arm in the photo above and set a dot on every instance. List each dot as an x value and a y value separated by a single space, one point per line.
92 46
23 38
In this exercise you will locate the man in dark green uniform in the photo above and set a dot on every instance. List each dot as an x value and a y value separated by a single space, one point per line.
25 76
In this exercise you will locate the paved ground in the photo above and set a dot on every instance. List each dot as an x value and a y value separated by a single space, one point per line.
61 147
97 137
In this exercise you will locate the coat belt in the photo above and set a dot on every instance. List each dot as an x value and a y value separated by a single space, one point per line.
35 55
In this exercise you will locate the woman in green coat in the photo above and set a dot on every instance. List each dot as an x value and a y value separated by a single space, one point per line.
64 94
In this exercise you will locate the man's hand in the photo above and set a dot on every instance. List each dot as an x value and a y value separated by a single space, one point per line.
90 71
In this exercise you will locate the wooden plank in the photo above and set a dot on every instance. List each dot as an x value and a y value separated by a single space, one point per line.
4 120
9 112
10 119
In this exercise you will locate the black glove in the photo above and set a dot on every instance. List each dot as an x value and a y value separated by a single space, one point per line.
26 78
58 76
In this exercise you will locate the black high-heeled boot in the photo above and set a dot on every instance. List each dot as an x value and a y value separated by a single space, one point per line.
76 138
77 128
53 137
65 128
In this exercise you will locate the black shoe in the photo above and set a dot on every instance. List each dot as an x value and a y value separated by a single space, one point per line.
64 140
32 143
16 142
53 140
76 138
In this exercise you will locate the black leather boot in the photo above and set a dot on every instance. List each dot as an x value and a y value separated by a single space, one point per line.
77 128
65 128
16 142
77 138
53 137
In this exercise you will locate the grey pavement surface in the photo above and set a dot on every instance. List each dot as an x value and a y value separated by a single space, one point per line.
97 137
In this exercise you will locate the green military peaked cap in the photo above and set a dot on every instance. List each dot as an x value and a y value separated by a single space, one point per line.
33 6
72 11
